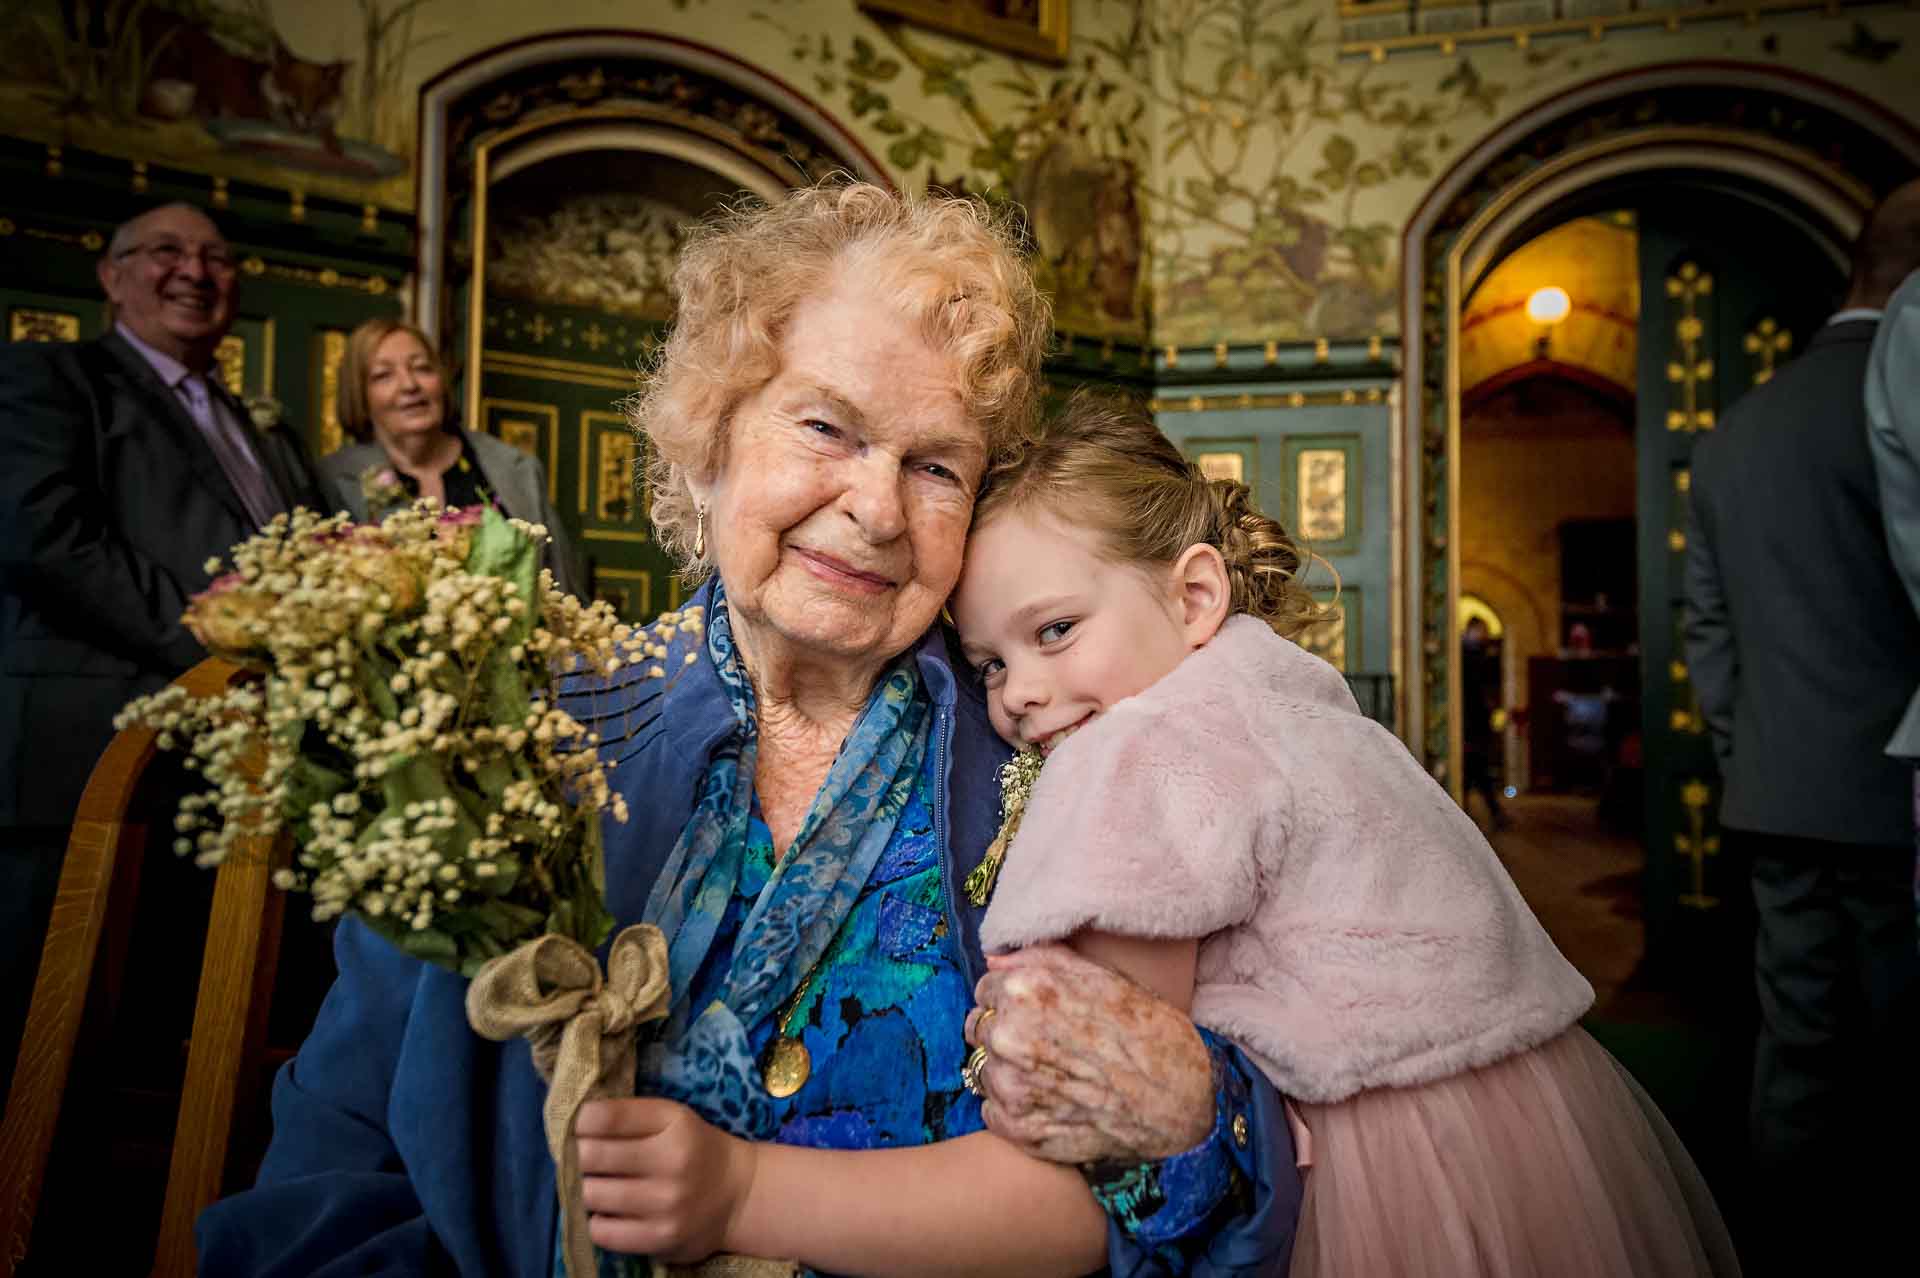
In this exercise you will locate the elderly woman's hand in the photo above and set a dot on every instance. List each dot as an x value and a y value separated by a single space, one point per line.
1084 1065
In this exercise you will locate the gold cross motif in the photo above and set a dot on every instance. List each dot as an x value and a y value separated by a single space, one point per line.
1697 845
1691 371
1767 343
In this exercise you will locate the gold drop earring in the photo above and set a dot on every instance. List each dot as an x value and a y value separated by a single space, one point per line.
699 532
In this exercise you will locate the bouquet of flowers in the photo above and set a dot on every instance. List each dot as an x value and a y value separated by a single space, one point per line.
415 749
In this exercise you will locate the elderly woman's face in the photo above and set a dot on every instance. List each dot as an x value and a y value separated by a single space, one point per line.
839 517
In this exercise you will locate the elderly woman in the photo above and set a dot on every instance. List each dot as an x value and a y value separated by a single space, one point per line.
393 400
809 796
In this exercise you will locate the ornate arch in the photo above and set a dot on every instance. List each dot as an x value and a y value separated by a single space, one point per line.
1806 146
572 90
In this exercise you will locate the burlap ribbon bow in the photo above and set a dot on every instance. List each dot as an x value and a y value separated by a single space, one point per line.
581 1028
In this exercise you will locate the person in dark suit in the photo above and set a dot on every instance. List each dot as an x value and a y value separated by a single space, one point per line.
1804 651
124 466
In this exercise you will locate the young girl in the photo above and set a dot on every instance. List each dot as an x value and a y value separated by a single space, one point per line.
1217 820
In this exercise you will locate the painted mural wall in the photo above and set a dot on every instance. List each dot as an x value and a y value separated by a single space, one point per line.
1197 171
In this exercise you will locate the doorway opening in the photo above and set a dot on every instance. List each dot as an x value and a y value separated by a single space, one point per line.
556 177
1598 340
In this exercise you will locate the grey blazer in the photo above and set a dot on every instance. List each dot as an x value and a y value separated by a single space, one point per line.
1801 643
1893 436
517 480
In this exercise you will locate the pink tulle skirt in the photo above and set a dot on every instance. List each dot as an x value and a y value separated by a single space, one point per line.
1553 1162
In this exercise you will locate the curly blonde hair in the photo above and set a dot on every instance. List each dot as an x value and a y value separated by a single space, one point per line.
953 267
1103 460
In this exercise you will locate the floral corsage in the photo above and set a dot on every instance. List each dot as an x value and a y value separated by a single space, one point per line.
1017 776
382 490
264 412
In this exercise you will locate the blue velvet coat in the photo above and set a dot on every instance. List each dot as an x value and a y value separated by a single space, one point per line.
404 1143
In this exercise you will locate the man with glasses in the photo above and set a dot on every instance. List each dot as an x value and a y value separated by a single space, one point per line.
124 465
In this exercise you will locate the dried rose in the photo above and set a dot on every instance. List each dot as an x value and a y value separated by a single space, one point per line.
454 531
230 620
383 569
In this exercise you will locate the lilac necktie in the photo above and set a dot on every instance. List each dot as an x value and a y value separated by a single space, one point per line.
229 443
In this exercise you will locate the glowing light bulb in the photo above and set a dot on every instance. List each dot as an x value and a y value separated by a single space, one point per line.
1548 305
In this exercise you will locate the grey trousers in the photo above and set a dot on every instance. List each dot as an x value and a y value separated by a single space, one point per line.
1838 974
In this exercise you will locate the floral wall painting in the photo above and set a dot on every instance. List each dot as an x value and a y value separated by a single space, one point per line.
249 88
1028 28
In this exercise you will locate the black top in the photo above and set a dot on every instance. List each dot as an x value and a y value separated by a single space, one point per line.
462 485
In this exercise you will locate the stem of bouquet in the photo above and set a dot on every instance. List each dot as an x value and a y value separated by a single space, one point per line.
581 1026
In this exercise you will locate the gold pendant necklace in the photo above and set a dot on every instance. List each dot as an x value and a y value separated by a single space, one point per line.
785 1062
785 1066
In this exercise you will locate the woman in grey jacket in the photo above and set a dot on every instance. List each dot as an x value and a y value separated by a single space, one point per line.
393 399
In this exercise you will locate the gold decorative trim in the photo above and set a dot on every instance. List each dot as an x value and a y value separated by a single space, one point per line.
54 164
1697 845
1521 35
329 350
1291 399
1044 37
563 370
547 411
324 277
33 324
1692 372
220 196
91 241
140 177
596 494
640 577
1767 343
231 356
601 534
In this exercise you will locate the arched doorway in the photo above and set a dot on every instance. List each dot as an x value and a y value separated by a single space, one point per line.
556 175
1806 160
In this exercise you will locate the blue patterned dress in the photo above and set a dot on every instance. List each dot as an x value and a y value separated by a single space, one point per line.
882 1015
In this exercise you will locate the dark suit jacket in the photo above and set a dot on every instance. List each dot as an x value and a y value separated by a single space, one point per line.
1800 641
112 503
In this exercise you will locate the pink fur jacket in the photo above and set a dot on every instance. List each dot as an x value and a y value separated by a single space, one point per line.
1358 930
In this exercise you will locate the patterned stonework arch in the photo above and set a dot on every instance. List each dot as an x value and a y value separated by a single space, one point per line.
1821 149
655 82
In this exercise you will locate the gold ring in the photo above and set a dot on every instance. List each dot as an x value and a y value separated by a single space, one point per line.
971 1071
980 1026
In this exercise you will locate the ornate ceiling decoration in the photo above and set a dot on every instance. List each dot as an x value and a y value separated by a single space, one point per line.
1595 260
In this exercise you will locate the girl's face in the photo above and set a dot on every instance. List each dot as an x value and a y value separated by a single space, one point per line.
1059 632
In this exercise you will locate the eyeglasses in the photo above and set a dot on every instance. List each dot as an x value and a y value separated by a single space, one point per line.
168 255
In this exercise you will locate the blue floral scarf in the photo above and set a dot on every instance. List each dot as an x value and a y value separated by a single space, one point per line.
703 1057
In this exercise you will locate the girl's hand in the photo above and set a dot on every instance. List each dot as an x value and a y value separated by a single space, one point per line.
659 1180
1084 1065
